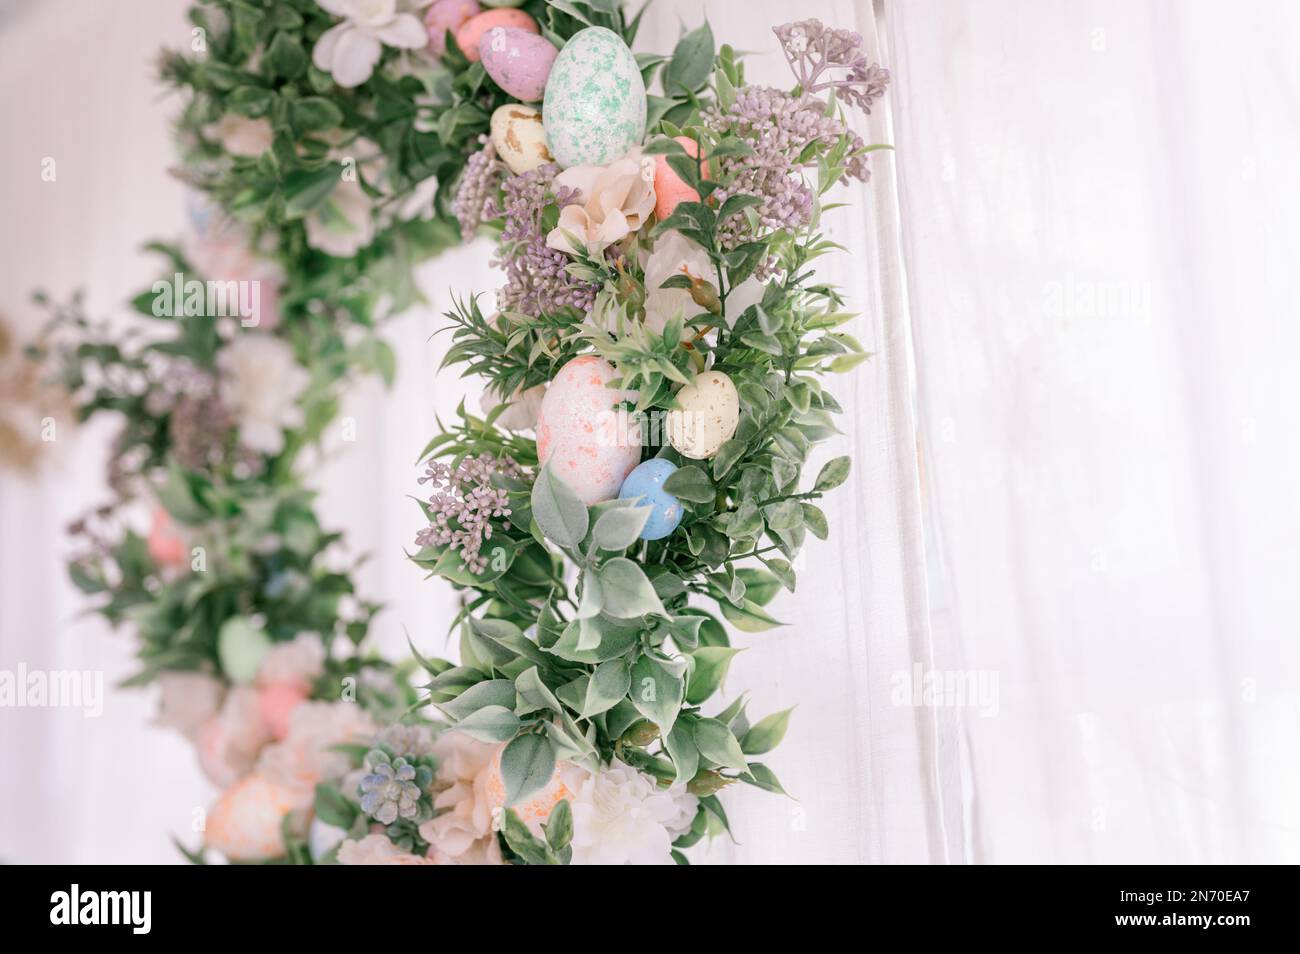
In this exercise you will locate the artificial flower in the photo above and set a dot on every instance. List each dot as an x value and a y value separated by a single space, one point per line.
675 254
524 407
229 742
247 822
622 817
189 699
241 136
462 799
261 382
614 202
377 850
343 225
348 51
309 752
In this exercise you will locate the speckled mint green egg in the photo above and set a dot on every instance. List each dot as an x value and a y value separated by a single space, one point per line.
594 108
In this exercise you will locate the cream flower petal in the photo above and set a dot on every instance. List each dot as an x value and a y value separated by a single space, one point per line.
355 56
406 31
322 55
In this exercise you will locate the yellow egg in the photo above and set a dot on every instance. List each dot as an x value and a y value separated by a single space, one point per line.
706 416
245 824
518 137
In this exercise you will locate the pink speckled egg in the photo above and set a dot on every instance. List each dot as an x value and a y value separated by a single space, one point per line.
669 187
276 701
471 31
589 444
447 15
518 61
245 824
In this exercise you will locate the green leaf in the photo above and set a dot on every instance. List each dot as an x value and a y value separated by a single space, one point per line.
690 483
527 765
834 473
681 746
692 63
608 687
718 745
285 56
558 511
618 529
656 692
559 826
333 808
815 520
784 515
749 617
711 665
491 692
313 113
593 598
627 590
490 724
767 733
761 776
533 694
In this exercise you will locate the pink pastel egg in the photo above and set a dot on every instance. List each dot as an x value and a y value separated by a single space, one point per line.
471 31
519 61
669 187
588 444
447 15
276 702
166 546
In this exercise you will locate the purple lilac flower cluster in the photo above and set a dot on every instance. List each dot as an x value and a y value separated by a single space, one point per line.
779 126
463 504
478 185
537 281
822 58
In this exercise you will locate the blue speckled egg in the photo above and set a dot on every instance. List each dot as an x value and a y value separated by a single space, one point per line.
594 108
647 482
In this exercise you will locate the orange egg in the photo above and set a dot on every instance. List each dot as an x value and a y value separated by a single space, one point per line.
669 187
471 31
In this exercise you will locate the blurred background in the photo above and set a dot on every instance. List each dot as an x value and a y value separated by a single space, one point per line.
1077 461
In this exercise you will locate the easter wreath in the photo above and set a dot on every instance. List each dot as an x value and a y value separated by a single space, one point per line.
661 331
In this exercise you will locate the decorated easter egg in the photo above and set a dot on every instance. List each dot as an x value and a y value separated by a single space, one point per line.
519 138
647 482
471 31
245 823
240 647
588 444
447 16
707 413
166 545
518 61
670 189
537 807
595 100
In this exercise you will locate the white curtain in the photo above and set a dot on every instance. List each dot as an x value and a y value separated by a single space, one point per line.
1075 276
1100 210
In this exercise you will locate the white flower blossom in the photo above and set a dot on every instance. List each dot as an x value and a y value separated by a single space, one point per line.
261 382
621 817
349 50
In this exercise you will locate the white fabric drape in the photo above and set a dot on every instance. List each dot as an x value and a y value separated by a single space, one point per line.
1100 211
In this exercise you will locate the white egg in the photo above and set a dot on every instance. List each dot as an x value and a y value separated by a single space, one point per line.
519 138
588 444
706 416
595 102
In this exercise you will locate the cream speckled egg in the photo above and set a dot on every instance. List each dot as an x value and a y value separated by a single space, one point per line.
589 445
595 100
518 61
706 416
471 31
519 138
245 823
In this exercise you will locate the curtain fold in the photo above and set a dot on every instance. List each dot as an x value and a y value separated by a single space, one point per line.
1099 207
